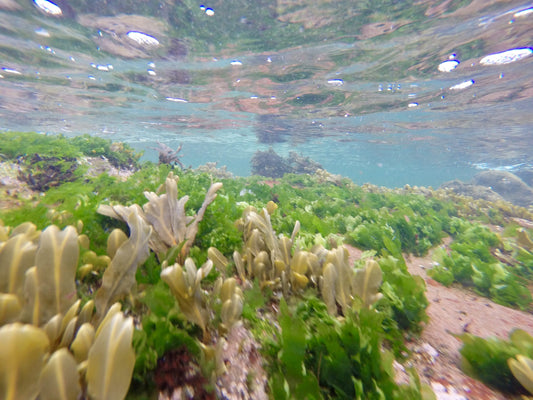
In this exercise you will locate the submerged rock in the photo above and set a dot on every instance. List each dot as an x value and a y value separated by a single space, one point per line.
526 175
494 185
507 185
469 189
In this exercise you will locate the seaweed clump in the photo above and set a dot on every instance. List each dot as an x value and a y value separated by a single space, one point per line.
42 172
505 365
47 161
269 163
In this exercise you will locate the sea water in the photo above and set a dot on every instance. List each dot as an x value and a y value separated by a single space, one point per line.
386 92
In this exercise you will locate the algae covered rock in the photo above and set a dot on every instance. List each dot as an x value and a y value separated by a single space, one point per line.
471 190
494 186
507 185
269 163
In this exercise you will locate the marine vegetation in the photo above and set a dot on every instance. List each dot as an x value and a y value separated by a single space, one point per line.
41 173
16 145
117 287
56 348
507 365
172 230
479 258
269 163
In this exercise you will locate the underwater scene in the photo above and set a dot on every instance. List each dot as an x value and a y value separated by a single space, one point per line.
270 199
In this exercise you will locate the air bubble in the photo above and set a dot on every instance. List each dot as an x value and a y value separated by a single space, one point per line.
506 57
48 7
448 65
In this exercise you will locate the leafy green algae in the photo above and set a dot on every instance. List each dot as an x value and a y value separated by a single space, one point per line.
321 357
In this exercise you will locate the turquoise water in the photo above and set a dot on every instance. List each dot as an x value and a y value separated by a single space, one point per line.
358 86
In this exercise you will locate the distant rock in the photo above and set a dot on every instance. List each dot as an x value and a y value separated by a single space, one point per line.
494 185
526 175
507 185
469 189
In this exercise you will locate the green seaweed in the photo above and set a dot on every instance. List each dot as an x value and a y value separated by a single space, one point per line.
163 328
322 357
486 359
470 261
405 294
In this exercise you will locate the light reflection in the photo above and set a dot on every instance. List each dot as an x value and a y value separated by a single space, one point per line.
143 38
11 71
176 100
523 13
448 65
100 67
506 57
42 32
48 7
336 82
261 76
462 85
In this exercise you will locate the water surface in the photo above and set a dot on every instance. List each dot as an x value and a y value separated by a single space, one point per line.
387 92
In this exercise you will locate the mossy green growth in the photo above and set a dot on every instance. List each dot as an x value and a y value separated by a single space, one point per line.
22 144
14 145
51 160
120 154
74 201
389 223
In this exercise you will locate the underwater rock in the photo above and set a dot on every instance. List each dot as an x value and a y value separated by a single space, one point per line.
494 185
269 163
507 185
302 165
474 191
99 165
526 175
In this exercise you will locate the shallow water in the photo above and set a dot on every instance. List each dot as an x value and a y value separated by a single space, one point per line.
354 85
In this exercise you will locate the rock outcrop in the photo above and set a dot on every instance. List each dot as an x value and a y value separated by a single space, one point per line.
495 185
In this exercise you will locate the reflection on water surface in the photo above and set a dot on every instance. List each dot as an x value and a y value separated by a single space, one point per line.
383 91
